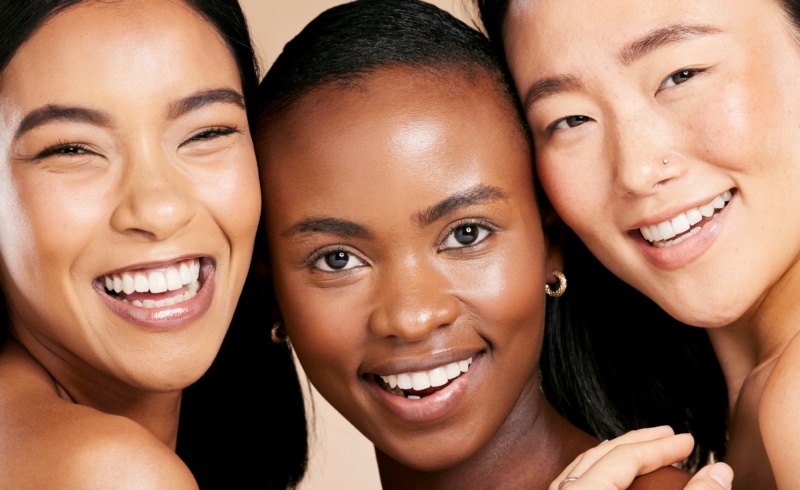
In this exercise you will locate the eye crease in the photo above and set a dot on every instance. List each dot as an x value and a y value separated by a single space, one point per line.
465 235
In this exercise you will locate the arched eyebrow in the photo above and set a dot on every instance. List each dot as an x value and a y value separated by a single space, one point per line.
546 87
53 112
50 113
202 99
661 37
479 194
636 49
329 226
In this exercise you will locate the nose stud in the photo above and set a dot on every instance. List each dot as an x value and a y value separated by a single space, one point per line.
665 161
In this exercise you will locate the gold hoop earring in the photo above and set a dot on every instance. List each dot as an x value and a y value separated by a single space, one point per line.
562 285
278 333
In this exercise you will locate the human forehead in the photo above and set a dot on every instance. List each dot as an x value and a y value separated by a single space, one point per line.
425 127
119 39
444 97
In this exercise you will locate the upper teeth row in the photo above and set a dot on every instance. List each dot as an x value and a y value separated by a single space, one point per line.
154 281
685 220
422 380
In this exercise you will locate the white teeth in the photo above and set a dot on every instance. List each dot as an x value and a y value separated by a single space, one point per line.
403 381
173 278
683 222
422 380
158 282
149 303
140 283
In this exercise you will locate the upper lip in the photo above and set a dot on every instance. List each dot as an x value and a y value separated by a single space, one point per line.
156 264
672 213
427 362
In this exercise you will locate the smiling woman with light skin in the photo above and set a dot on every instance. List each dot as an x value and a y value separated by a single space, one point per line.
667 137
408 254
129 203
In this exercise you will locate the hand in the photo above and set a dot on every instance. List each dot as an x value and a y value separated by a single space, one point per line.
613 465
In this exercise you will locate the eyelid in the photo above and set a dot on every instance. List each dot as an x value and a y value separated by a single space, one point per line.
211 133
319 254
694 72
481 223
57 149
552 127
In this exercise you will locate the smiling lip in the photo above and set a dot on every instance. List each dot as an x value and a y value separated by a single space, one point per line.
428 396
160 296
686 224
418 384
670 247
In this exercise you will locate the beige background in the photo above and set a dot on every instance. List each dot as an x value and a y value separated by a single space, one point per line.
340 457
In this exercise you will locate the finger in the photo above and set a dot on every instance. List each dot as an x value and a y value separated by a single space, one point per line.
580 464
718 476
618 467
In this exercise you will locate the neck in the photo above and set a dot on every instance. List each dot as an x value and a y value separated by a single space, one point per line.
522 454
760 335
158 412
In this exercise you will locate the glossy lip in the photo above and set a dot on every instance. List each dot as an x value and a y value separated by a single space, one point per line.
432 407
689 250
166 317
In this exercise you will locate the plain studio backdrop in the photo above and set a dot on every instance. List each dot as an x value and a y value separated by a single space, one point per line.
340 457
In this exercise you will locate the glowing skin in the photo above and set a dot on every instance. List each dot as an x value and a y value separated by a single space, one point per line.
409 264
711 87
115 165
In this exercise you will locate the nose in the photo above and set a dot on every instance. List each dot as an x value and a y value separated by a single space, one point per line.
643 157
154 197
413 300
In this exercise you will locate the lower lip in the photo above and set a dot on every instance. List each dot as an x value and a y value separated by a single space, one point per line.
676 256
167 317
432 407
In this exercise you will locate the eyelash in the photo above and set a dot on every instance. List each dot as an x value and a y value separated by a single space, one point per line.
214 132
314 260
689 73
554 126
64 148
484 229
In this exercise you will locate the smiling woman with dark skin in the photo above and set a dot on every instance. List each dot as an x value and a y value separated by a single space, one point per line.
129 203
408 254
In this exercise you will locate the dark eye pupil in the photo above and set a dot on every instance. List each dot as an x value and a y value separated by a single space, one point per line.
337 260
466 234
683 76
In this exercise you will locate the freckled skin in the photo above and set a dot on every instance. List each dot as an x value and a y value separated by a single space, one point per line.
721 106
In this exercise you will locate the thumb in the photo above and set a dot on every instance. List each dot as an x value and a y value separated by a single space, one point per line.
717 476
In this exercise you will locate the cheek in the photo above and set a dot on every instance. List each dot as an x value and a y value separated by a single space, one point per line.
574 184
47 221
234 198
322 324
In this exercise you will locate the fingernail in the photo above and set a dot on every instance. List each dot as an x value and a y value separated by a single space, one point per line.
722 474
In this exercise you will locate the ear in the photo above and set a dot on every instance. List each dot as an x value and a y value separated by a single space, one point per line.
554 230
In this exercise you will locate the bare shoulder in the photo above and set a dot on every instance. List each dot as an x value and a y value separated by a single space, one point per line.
663 478
777 419
49 442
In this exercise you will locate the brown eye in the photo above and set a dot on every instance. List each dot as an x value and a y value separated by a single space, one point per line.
568 122
678 78
337 261
465 235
